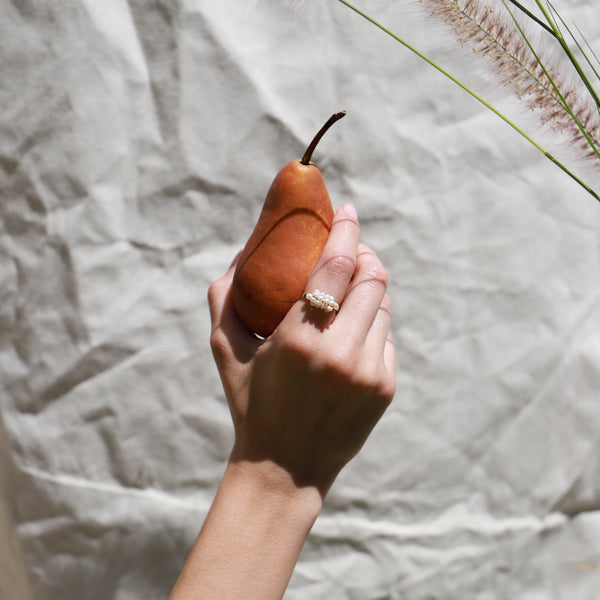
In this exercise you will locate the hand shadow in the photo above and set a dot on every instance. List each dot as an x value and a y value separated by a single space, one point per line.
317 317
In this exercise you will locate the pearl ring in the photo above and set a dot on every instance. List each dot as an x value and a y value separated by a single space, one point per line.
321 300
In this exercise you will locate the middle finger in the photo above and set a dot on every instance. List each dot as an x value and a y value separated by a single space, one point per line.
364 295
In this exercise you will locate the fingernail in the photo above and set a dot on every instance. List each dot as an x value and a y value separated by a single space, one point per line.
350 210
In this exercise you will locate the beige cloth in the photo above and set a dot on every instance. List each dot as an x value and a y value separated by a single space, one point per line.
137 142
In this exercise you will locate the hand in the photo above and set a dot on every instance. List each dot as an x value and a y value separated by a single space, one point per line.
307 397
303 402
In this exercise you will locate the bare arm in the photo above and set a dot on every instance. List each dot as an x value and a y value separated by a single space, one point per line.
251 538
303 402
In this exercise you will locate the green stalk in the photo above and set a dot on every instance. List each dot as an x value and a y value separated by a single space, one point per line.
474 95
590 50
533 17
557 91
568 52
579 46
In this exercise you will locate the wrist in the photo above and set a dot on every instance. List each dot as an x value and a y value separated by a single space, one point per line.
271 486
252 536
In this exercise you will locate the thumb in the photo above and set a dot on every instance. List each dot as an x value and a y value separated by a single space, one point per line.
229 335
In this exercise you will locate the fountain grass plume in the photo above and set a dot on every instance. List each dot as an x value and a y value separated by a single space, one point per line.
540 81
545 85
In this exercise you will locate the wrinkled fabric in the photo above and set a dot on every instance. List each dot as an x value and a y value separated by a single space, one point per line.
137 142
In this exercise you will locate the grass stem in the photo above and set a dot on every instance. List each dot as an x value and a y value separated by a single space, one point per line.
476 96
566 49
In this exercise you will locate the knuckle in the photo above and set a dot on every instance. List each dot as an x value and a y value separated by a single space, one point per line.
370 268
366 381
373 381
340 362
348 364
345 227
215 291
377 272
291 343
372 277
212 290
362 248
387 390
218 343
339 265
387 303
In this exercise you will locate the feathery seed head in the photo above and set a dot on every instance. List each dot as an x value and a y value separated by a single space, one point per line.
536 80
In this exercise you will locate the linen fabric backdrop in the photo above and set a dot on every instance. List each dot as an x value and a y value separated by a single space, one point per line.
137 142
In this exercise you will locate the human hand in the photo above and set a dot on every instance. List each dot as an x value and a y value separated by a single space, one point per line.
307 397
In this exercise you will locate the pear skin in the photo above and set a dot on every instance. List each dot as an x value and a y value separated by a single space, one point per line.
286 243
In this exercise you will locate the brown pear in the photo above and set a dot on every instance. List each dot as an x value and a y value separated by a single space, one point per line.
286 243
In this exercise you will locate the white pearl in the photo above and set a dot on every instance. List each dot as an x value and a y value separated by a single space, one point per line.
322 300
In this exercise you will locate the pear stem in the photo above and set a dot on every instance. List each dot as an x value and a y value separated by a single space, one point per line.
311 147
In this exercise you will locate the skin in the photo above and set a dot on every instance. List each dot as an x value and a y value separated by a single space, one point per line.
303 402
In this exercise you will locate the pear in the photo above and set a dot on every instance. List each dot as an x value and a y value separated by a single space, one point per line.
286 243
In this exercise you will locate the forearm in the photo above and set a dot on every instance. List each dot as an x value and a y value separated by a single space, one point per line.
251 538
